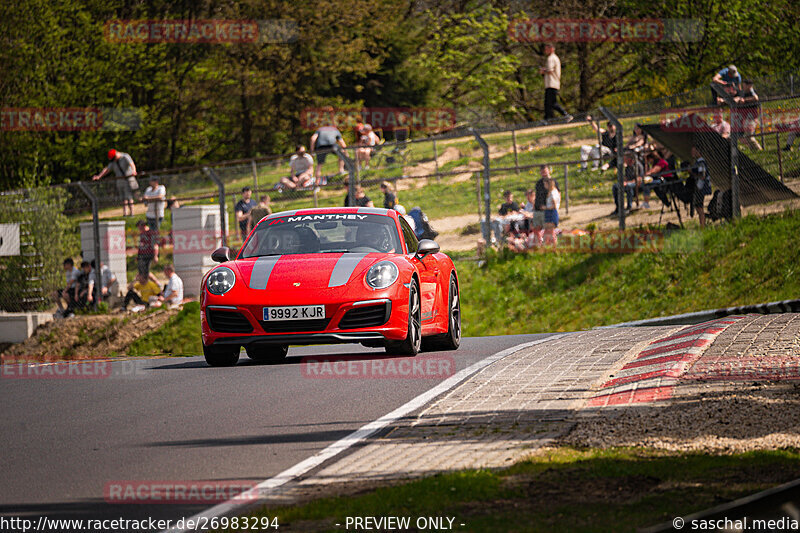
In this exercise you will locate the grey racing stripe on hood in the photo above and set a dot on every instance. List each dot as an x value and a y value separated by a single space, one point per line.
344 268
262 268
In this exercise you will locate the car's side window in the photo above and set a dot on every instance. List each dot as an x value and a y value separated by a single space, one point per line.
408 235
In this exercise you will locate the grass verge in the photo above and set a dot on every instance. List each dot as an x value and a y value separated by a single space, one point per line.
695 270
180 335
561 489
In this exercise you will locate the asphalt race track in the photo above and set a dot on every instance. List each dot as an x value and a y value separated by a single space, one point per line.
64 441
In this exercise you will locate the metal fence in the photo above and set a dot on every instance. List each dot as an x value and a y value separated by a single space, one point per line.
457 179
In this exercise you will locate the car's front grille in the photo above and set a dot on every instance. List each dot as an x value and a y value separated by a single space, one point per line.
227 321
291 326
366 316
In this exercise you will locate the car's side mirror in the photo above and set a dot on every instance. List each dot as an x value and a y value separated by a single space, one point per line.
427 246
222 254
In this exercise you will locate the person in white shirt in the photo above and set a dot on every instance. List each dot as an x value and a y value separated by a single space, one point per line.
173 292
552 83
71 273
301 173
551 211
155 197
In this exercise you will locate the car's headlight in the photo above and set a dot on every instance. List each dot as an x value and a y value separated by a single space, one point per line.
220 281
381 275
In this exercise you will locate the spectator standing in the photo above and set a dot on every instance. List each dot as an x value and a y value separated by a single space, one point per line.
551 211
719 124
699 172
154 197
301 169
242 211
634 171
389 196
64 297
173 292
607 146
124 169
539 204
552 83
260 211
148 247
322 142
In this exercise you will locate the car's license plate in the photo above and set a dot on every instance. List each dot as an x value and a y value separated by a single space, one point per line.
294 312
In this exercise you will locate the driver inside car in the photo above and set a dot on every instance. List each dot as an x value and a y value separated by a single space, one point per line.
375 237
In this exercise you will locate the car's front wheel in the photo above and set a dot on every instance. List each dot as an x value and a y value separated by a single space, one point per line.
411 344
452 339
223 355
270 353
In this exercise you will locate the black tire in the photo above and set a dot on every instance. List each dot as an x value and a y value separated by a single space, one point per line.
452 339
223 355
270 353
411 345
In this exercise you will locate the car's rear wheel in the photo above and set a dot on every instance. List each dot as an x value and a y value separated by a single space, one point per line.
411 344
452 339
224 355
267 353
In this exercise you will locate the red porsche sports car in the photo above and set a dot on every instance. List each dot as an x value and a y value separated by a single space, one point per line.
329 275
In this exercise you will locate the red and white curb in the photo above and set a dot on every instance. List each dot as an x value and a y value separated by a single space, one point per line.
655 371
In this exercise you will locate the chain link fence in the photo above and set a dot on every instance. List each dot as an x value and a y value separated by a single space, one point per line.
458 179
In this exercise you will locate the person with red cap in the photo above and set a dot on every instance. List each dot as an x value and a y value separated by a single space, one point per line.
125 170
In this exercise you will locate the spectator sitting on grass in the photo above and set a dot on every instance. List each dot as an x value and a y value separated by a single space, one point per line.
83 288
367 140
173 292
109 287
64 297
301 170
140 291
607 146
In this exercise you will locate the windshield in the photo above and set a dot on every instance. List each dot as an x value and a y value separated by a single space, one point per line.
323 233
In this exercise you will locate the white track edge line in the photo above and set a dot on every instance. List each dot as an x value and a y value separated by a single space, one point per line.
250 497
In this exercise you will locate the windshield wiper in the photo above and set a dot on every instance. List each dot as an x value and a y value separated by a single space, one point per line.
334 251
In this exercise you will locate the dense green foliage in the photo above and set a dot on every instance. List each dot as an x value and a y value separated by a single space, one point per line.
542 292
206 102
